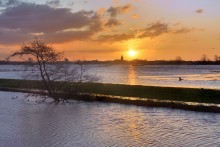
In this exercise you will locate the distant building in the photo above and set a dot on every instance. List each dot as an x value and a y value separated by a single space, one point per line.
122 58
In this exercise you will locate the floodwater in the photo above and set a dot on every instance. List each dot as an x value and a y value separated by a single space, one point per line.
25 123
196 76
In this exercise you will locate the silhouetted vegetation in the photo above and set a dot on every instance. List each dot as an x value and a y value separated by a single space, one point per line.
216 58
47 65
125 62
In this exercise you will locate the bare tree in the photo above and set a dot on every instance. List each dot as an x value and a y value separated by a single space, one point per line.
216 58
178 59
204 58
59 78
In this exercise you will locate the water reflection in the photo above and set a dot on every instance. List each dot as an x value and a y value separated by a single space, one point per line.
102 124
132 76
197 76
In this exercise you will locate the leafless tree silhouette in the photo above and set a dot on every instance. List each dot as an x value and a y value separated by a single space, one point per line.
59 78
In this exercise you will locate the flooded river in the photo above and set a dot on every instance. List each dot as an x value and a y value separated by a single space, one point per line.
25 123
196 76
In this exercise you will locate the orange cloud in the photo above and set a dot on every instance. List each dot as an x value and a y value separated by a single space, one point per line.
184 30
112 22
136 16
114 11
101 11
115 37
152 30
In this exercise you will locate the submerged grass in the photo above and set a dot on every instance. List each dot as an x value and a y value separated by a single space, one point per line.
149 92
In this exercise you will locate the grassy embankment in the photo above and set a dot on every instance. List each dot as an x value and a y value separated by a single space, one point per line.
149 92
147 95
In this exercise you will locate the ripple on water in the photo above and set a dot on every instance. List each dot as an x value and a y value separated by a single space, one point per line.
101 124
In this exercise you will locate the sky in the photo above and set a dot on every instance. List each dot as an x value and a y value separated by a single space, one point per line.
109 29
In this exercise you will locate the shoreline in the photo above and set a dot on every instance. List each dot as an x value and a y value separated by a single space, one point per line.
160 104
135 62
151 92
164 86
199 95
196 107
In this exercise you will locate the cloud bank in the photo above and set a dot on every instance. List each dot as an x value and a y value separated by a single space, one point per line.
114 11
57 23
22 21
151 31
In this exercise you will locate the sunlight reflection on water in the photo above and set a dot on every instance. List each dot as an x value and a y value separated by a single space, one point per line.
132 76
24 123
197 76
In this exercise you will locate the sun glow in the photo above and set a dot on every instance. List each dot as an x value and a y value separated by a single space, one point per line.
132 53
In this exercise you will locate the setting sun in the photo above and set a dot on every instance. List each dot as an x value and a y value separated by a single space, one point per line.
132 53
116 72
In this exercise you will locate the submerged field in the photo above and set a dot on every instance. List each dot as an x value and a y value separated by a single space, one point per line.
195 76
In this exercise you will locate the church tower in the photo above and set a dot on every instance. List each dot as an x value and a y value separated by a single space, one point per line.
122 58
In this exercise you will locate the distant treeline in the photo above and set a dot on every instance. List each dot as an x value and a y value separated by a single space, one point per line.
133 62
157 62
